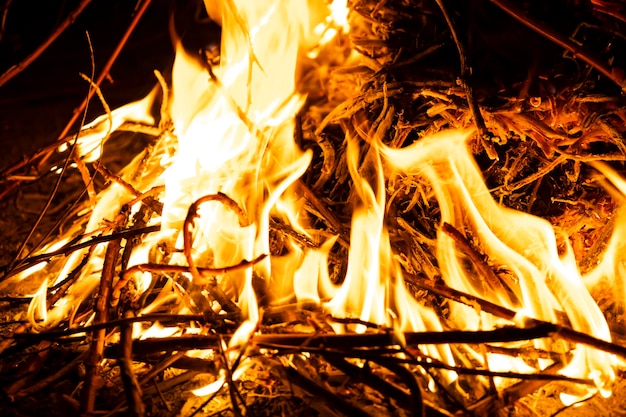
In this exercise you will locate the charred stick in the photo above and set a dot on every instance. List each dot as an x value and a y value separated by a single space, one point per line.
169 344
56 292
160 394
335 402
494 283
161 366
614 74
113 353
430 363
233 392
110 324
157 369
139 220
327 215
288 231
527 352
96 353
537 329
218 295
366 376
52 378
390 358
352 320
16 69
508 396
187 363
165 268
72 246
415 399
466 80
30 369
145 198
172 382
131 385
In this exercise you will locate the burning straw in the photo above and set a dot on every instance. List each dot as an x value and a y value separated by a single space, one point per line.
336 217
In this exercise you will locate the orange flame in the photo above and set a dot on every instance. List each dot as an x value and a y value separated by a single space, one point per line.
233 136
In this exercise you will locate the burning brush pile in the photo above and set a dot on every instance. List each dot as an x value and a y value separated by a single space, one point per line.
380 208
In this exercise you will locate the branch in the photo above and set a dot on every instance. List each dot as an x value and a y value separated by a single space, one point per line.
92 364
16 69
614 74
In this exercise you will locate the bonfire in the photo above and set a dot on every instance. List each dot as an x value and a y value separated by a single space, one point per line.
361 209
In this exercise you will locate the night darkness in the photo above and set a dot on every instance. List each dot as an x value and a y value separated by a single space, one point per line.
37 103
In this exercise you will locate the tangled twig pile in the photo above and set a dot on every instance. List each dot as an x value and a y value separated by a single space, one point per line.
544 109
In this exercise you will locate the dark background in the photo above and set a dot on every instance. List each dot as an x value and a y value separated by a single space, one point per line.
37 103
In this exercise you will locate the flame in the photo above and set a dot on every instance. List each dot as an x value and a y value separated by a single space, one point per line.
540 282
230 164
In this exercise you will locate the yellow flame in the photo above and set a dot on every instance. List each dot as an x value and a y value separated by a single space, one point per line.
233 134
540 281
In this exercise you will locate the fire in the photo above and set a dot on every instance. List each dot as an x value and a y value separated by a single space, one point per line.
229 166
539 283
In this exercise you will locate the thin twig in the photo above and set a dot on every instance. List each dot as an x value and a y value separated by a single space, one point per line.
131 385
16 69
494 284
232 389
105 70
72 246
466 80
321 393
82 168
90 387
66 164
536 329
327 215
110 176
3 20
192 214
52 378
198 278
111 324
490 405
45 153
614 74
366 376
166 268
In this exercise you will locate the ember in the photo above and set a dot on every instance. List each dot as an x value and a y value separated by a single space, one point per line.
335 214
